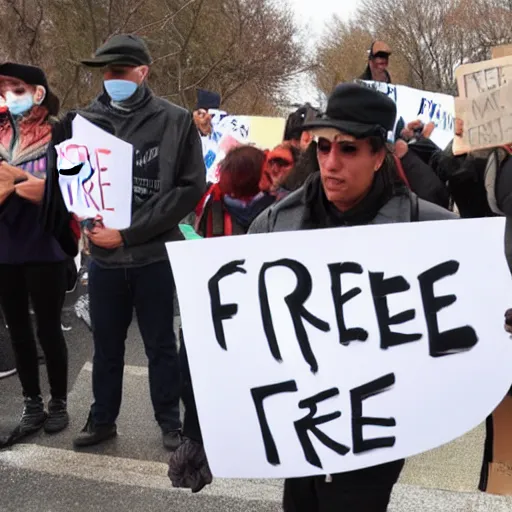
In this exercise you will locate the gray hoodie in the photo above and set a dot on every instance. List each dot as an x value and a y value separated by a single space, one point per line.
168 174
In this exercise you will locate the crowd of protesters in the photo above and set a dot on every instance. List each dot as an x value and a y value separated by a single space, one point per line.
335 168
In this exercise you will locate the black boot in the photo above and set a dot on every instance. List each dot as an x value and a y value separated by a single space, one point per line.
33 416
94 434
58 418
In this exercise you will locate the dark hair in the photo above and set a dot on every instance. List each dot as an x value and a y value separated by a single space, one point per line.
389 167
306 165
296 120
296 153
240 172
376 143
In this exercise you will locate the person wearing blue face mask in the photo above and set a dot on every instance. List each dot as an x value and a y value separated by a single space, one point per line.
130 268
33 266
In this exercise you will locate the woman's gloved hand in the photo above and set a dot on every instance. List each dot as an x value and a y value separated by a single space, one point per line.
188 467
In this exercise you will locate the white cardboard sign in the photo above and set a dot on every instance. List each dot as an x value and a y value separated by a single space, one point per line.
326 351
103 185
413 104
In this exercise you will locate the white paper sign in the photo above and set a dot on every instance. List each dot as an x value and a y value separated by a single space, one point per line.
413 104
227 133
103 185
282 388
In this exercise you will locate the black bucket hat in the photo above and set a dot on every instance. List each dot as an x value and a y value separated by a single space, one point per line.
123 50
358 111
32 75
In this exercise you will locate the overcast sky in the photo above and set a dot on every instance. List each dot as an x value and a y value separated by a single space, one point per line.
313 14
319 11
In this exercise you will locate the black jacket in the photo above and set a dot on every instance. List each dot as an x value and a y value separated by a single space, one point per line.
367 75
465 176
424 181
168 174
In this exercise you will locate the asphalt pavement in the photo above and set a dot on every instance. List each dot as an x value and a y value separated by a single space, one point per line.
45 474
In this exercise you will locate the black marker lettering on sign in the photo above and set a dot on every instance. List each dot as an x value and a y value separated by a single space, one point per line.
258 396
381 288
357 396
448 342
221 312
340 299
295 302
310 424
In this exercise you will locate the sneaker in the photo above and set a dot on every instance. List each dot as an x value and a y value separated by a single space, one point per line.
58 418
172 440
7 373
94 434
33 416
82 310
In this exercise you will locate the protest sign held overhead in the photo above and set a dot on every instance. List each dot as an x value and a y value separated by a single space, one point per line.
413 104
504 50
487 119
95 174
230 131
334 350
481 107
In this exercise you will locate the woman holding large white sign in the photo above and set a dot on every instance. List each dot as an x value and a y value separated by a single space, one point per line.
357 185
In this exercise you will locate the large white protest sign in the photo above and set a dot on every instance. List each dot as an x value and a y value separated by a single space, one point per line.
95 174
413 104
332 350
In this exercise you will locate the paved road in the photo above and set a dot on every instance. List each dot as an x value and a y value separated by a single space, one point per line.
44 474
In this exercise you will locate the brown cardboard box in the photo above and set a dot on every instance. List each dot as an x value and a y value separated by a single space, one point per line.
497 469
500 479
502 51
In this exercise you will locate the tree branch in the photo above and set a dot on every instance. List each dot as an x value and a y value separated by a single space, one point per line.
94 28
131 13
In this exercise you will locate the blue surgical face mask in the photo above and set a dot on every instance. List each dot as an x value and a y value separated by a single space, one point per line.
120 90
18 105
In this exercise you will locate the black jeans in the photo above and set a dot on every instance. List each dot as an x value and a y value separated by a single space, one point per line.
365 490
44 286
113 294
191 427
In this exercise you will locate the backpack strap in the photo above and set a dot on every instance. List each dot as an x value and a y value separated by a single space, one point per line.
400 171
217 215
493 166
415 207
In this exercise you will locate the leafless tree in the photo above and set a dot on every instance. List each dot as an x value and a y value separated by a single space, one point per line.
247 50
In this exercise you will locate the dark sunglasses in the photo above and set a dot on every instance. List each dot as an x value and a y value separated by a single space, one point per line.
381 55
347 148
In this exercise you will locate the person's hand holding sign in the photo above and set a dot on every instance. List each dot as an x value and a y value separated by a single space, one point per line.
417 129
103 237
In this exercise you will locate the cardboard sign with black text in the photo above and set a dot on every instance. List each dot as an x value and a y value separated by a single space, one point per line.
326 351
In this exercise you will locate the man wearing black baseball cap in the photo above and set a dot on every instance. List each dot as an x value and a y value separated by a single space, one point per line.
130 268
378 61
